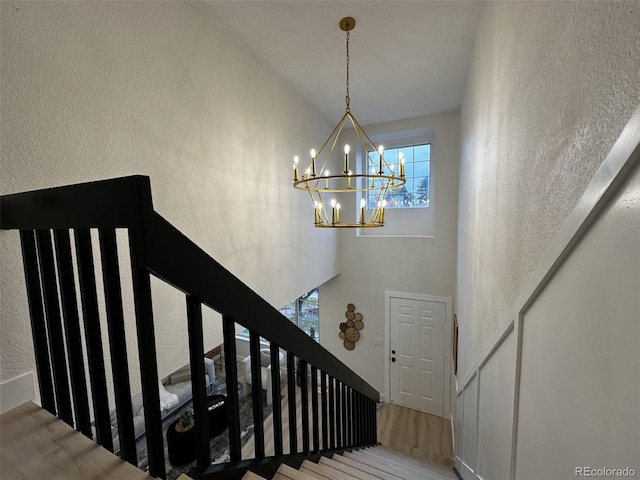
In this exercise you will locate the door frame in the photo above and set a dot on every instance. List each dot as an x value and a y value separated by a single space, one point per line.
447 374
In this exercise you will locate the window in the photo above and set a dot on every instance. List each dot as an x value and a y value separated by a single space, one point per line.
304 312
415 192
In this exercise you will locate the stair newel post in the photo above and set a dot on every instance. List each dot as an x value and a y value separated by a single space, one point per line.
38 325
117 343
256 393
72 328
198 386
324 413
93 337
291 397
231 375
277 399
314 409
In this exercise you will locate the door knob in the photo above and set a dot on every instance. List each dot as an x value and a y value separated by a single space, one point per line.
393 351
393 359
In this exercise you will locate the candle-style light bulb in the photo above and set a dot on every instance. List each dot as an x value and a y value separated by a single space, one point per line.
313 162
373 180
380 151
346 158
333 211
307 172
362 204
326 181
295 168
391 169
401 167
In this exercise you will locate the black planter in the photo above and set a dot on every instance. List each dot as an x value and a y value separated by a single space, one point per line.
181 445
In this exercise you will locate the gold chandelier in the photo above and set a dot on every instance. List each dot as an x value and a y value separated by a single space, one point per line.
328 174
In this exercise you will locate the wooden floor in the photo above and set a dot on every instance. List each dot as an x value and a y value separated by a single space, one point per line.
417 434
36 445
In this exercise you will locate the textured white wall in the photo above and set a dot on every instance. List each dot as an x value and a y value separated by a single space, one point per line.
94 90
369 266
551 86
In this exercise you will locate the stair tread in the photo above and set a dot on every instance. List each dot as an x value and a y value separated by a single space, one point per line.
247 476
35 444
381 449
365 468
327 471
405 464
291 473
313 474
343 467
397 468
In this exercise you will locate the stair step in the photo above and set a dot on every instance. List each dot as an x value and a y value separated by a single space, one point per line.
247 476
390 453
326 471
343 467
285 472
396 466
400 461
365 468
313 474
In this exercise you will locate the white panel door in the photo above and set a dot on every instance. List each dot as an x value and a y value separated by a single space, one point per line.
417 354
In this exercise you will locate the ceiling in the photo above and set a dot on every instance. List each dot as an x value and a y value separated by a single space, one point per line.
407 58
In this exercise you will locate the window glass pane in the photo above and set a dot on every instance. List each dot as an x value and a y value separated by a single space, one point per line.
305 311
415 192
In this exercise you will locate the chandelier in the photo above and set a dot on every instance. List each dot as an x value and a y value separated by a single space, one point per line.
330 173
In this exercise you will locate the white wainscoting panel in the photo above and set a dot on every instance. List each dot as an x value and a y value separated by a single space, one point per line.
470 424
495 411
579 388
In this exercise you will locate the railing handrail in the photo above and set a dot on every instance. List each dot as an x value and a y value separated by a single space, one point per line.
126 203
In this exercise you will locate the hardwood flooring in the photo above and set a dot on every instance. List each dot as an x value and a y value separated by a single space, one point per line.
417 434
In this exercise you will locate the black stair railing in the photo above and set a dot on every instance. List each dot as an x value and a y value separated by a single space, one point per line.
343 417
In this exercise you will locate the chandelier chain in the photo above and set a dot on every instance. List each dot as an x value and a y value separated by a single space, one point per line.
348 100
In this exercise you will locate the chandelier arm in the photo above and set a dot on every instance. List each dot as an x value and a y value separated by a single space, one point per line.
333 134
324 210
369 140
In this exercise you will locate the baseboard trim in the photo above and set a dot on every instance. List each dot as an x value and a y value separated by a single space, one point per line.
16 391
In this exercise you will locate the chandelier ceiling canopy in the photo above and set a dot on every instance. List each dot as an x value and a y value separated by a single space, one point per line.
335 169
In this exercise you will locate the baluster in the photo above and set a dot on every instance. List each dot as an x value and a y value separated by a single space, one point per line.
304 400
54 324
343 403
325 414
291 398
339 442
374 422
277 399
332 415
147 357
117 343
349 417
93 338
38 326
72 329
231 372
314 408
198 386
256 393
